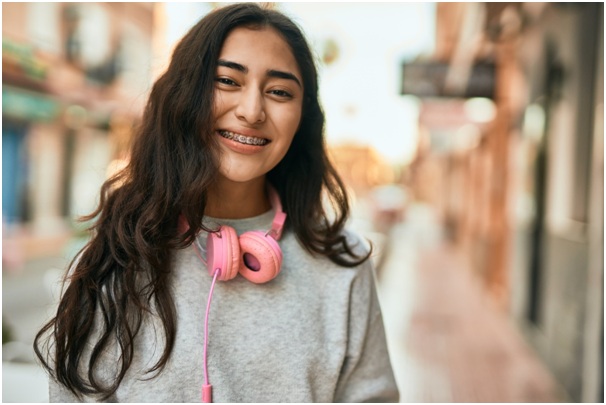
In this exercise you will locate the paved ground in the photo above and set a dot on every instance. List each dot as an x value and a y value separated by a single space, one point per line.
448 343
27 302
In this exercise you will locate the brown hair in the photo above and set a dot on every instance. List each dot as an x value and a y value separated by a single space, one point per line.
122 273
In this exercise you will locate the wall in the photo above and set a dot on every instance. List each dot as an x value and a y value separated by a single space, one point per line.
553 245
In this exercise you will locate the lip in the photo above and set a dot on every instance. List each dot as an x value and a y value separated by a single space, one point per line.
241 148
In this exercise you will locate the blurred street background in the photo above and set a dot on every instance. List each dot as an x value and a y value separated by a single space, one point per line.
471 137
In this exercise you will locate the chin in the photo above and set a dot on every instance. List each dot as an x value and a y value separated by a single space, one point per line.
241 176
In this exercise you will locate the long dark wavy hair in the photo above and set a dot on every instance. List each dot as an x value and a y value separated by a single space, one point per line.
123 272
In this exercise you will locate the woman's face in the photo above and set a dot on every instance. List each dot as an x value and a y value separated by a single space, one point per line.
258 102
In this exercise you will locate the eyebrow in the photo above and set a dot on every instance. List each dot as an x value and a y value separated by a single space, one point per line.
283 75
270 73
232 65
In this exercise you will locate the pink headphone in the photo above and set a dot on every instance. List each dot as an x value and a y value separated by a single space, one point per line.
256 255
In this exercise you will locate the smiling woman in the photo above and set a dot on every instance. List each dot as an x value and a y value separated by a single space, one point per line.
225 183
257 109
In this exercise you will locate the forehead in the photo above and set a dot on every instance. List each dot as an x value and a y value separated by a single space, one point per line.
259 47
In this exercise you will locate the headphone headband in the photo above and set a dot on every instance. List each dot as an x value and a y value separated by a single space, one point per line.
277 225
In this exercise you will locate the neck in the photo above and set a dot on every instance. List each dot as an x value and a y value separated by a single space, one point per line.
230 200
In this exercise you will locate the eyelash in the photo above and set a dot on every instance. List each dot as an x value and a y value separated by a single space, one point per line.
229 82
225 80
281 93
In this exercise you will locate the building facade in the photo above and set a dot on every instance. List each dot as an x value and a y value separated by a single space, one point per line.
75 79
521 192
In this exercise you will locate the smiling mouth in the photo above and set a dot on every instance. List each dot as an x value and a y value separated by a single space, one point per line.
243 139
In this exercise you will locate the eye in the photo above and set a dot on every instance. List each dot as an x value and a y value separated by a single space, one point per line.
281 93
225 81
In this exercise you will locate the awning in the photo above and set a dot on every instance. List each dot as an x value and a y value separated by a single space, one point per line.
28 105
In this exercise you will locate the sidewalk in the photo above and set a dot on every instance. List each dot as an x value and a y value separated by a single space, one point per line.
448 342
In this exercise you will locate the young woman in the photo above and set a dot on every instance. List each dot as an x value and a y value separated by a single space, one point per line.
226 182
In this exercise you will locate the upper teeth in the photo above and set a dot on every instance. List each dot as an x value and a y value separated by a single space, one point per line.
249 140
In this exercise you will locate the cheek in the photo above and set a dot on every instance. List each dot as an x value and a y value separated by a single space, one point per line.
291 121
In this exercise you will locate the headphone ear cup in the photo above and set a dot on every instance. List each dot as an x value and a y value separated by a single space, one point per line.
261 257
223 253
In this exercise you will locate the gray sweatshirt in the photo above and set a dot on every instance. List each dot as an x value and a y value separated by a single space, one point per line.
313 334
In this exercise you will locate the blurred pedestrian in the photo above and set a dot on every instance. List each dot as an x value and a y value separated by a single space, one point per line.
228 173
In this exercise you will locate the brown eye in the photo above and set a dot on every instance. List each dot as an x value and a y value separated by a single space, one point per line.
225 81
281 93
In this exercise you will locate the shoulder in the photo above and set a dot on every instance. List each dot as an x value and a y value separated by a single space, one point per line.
359 244
323 271
347 240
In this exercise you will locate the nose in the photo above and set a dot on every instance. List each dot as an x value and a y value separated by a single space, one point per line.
251 107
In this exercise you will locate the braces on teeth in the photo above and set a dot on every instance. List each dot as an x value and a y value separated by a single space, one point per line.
243 139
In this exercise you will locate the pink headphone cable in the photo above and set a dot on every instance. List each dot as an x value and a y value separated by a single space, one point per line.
207 389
